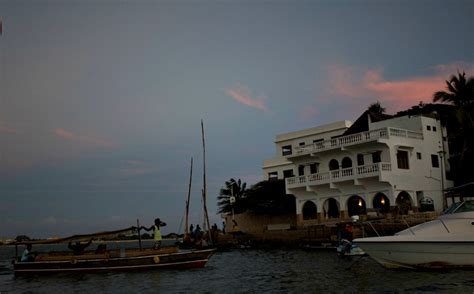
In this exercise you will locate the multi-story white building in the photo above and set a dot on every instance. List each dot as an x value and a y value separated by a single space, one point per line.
379 164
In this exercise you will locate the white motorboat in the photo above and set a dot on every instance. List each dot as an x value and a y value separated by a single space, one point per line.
446 242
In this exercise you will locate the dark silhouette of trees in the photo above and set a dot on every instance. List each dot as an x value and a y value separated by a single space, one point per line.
232 188
265 197
460 93
269 197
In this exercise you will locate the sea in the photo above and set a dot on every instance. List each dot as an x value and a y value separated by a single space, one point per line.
246 271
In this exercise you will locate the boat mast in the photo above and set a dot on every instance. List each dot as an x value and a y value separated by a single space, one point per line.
204 190
186 226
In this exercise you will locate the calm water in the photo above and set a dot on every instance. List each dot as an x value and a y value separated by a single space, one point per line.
249 271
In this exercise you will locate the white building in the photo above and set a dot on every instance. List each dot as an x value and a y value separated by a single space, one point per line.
377 165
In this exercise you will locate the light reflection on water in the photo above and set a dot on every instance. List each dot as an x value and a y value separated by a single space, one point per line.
249 271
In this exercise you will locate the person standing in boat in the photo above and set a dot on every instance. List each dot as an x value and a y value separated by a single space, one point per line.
156 232
78 247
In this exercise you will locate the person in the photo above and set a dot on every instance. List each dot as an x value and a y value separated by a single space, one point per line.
156 232
191 231
198 232
28 255
214 233
78 247
235 226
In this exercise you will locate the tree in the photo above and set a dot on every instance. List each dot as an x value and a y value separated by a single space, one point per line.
376 108
269 197
22 238
460 93
232 188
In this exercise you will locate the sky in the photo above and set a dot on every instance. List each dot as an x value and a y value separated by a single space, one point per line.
101 101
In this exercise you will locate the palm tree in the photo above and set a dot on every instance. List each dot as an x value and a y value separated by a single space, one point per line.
460 93
232 188
376 108
269 197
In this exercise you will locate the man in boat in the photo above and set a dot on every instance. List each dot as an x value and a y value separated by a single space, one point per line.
78 247
28 255
156 232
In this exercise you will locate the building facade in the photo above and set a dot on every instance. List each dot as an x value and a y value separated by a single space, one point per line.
338 170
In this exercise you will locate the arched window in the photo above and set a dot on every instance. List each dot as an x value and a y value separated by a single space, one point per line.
356 206
333 164
381 203
309 210
331 208
346 162
403 202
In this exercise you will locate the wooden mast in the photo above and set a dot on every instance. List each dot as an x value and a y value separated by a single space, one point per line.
204 190
186 226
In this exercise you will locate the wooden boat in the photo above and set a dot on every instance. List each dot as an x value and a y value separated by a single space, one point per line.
109 260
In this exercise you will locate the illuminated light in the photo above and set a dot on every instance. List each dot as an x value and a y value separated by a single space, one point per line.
382 201
360 202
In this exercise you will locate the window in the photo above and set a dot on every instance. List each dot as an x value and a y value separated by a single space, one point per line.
434 129
319 143
402 159
418 155
360 159
376 156
286 150
333 164
313 168
346 162
301 170
434 160
302 143
428 128
288 173
273 176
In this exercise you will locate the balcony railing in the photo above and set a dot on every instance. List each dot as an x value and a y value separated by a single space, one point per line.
358 138
351 173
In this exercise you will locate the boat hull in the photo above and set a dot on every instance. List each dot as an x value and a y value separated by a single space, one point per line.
420 254
179 260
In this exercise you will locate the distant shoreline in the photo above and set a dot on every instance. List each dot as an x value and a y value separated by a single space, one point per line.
100 241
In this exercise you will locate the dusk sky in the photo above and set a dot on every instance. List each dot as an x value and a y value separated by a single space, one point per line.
101 101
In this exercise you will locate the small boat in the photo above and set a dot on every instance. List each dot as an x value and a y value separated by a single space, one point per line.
446 242
347 248
123 259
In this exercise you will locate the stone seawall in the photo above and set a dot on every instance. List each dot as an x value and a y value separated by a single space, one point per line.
265 229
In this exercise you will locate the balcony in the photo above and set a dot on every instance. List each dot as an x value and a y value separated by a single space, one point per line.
345 141
341 175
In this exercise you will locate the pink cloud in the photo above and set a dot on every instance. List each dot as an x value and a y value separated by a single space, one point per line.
242 95
309 112
88 140
4 128
396 94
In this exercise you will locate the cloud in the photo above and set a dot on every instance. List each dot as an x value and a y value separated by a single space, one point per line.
4 128
242 95
309 112
51 220
136 168
396 94
88 140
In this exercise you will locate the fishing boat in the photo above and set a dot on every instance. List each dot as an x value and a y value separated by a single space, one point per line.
106 260
206 238
446 242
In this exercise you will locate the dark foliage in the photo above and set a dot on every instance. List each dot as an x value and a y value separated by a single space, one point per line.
269 197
